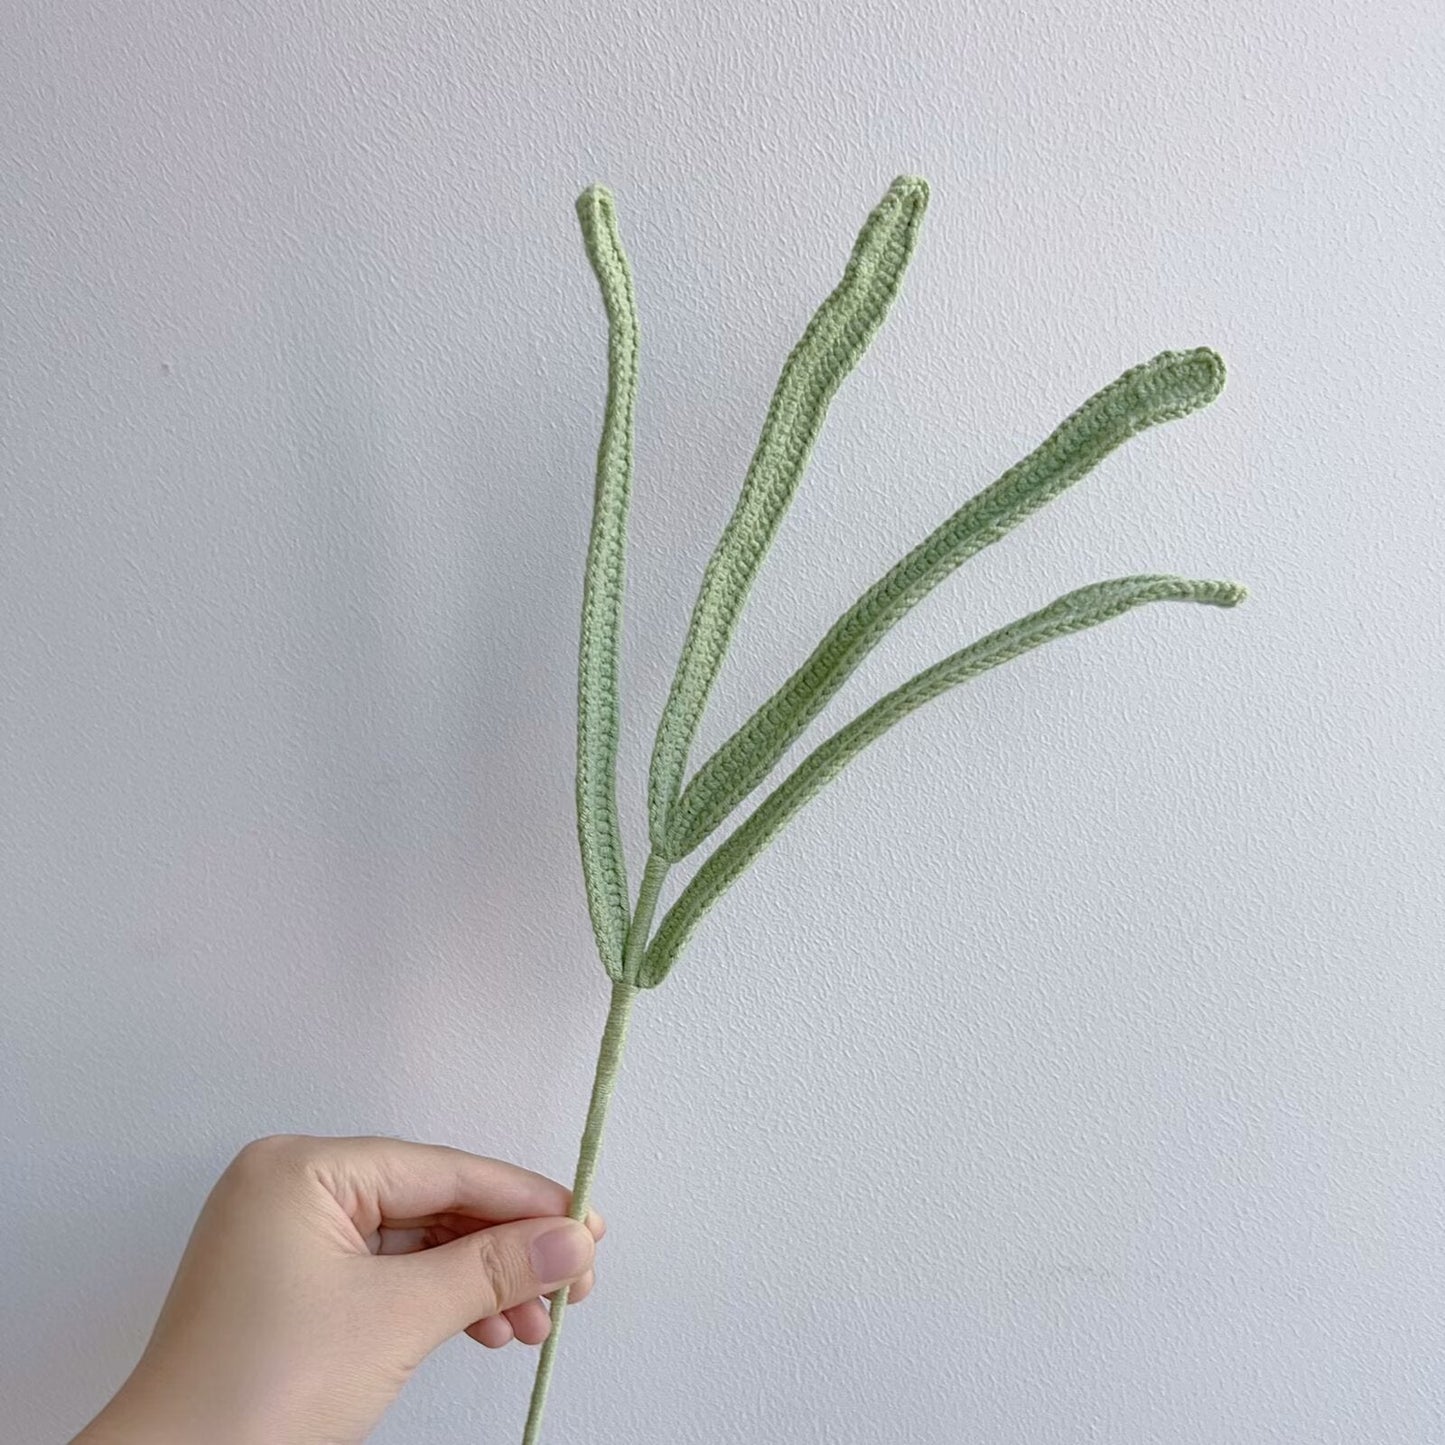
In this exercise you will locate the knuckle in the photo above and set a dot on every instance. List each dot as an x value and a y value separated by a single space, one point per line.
500 1270
267 1155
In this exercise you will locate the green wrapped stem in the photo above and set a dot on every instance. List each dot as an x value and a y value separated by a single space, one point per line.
682 814
609 1061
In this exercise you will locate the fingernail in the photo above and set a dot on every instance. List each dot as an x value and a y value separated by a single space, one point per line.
561 1254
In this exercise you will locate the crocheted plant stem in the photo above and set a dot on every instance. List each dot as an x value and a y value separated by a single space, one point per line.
683 813
609 1061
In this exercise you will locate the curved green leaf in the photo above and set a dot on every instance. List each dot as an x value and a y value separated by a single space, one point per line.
1073 612
1173 384
831 346
598 723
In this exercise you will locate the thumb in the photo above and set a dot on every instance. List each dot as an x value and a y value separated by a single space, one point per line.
482 1274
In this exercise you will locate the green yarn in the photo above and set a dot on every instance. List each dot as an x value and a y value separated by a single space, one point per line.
831 346
1086 607
1171 385
609 1060
682 814
598 721
609 1057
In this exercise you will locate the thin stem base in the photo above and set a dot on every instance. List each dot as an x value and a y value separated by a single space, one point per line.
609 1059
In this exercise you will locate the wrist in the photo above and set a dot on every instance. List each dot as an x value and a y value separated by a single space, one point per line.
146 1413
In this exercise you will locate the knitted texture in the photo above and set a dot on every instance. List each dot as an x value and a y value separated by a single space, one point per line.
831 346
683 814
609 1060
1171 385
609 1057
1086 607
598 715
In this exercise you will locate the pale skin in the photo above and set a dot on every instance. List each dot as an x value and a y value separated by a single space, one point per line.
319 1275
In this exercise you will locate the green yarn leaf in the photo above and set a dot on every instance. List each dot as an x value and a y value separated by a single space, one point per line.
1172 385
1085 607
598 713
830 347
680 818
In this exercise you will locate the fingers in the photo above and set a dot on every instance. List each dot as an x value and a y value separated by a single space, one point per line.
467 1242
402 1183
531 1322
493 1332
489 1272
443 1228
528 1324
410 1181
579 1291
409 1236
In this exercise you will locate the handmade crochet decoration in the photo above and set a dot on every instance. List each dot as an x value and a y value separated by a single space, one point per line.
684 812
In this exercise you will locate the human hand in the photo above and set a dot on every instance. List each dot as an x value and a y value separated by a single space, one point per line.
321 1272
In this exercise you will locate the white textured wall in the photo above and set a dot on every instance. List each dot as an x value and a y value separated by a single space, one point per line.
1073 1069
